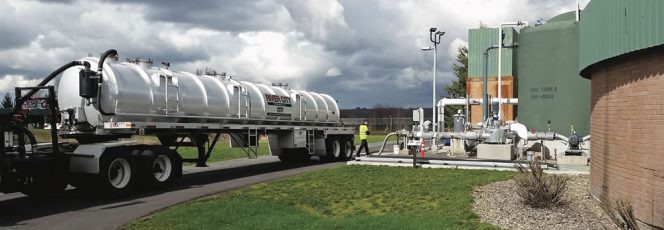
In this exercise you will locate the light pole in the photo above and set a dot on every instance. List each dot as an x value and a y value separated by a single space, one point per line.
500 56
434 37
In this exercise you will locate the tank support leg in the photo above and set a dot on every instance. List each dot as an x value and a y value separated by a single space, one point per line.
211 146
199 139
203 146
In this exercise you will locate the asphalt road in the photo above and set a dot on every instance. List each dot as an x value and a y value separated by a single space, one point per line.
74 210
81 211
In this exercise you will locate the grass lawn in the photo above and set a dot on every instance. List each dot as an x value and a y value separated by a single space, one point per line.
373 139
222 151
347 197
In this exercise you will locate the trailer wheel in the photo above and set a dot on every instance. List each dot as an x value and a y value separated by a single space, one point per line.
334 149
117 174
348 149
161 169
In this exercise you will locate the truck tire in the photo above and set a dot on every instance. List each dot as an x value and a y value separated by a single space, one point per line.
117 174
161 168
334 149
348 149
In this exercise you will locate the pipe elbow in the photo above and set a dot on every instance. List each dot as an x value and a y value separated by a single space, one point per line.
84 64
105 55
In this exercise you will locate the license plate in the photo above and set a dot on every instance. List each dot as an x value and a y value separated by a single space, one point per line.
118 125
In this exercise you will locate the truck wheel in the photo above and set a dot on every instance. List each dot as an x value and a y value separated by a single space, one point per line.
161 169
348 149
334 149
117 175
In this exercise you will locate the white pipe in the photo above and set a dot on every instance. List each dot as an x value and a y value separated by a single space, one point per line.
445 162
578 10
500 56
478 163
474 101
440 108
586 138
433 103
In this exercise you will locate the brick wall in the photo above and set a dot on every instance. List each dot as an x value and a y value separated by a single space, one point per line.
474 87
627 128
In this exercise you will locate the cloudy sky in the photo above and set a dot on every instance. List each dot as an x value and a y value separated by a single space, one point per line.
362 52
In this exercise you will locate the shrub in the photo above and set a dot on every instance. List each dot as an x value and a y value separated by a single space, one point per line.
538 190
622 215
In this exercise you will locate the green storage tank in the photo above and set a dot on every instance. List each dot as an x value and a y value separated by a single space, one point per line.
550 88
479 40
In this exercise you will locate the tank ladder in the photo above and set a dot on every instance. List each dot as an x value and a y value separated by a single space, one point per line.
303 107
311 147
242 96
252 147
172 93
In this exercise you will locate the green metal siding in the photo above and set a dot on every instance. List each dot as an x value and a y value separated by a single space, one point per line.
610 28
549 84
478 41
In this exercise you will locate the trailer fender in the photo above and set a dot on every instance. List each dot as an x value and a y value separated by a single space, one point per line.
85 159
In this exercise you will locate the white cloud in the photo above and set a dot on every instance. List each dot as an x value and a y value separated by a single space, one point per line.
454 46
375 42
8 82
333 72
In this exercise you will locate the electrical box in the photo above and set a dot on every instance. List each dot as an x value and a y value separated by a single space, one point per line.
418 115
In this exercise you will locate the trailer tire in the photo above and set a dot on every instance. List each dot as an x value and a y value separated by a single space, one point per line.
348 149
117 174
334 149
161 168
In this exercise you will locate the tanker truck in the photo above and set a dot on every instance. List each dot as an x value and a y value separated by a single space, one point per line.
100 108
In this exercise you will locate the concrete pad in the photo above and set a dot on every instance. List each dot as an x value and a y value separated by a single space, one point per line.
572 160
495 151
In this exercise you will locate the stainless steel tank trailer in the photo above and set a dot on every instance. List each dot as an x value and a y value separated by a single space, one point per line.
98 107
491 131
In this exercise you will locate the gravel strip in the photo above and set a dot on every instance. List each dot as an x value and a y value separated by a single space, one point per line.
498 203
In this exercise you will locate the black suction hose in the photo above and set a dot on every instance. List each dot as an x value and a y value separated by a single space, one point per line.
20 101
100 66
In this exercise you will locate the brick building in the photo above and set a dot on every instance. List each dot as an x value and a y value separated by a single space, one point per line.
622 53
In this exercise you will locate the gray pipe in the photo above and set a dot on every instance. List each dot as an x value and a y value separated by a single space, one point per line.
485 92
547 136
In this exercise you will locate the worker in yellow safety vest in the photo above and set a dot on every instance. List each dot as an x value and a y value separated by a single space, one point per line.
364 131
